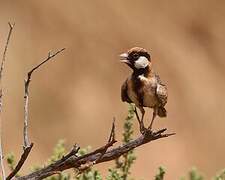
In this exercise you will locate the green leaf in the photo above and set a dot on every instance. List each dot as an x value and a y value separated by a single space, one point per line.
160 175
220 176
58 152
10 158
195 175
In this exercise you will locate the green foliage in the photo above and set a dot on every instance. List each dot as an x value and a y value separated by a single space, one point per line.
58 152
195 175
62 176
123 164
160 174
83 151
35 168
89 174
128 125
10 158
129 158
220 176
114 174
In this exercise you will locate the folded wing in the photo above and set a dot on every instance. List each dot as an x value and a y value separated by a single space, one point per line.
124 95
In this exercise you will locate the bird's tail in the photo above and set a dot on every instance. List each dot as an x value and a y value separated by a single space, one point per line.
162 112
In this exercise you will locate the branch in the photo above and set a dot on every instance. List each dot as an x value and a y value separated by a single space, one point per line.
97 156
26 96
11 26
1 94
28 146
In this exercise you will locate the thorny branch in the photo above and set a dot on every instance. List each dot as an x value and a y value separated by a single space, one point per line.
97 156
1 94
28 146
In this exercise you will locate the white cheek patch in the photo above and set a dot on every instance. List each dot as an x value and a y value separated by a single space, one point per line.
142 62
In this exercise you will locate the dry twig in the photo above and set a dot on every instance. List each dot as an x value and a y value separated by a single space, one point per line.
27 145
1 94
26 96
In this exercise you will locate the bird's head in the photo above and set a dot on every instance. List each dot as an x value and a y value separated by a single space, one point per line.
136 58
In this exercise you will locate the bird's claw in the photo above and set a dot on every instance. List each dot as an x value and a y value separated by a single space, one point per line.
145 131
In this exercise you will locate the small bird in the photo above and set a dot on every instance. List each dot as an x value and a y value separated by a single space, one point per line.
143 87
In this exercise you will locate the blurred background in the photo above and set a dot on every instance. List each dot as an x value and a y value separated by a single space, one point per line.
76 96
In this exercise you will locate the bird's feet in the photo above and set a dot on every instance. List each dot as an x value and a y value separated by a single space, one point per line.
144 131
150 127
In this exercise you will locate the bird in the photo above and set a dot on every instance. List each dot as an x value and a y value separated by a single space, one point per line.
143 87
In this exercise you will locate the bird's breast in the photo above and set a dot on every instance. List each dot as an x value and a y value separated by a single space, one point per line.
149 93
146 91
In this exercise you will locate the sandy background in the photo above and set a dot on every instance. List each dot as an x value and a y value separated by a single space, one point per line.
76 96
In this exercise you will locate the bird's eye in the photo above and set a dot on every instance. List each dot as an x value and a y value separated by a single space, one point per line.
135 56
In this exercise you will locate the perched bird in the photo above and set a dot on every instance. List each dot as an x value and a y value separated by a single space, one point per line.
143 87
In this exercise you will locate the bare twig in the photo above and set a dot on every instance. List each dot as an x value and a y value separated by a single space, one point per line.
28 146
1 94
92 158
73 152
26 96
111 141
112 133
11 26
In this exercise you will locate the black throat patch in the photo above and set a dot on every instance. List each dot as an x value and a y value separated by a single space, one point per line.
137 84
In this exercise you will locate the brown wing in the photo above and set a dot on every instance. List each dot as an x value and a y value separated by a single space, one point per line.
161 92
124 95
